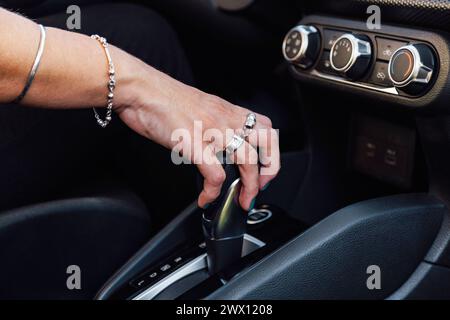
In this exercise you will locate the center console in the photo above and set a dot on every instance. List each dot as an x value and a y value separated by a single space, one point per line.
174 264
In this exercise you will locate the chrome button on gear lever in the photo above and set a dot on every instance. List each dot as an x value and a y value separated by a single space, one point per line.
301 46
350 55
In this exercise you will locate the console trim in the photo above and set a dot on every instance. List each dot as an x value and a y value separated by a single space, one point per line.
390 90
195 265
192 266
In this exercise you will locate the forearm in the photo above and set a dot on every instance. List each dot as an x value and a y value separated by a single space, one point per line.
73 68
74 73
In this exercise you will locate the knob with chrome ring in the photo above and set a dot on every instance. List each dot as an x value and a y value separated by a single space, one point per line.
411 68
301 46
350 55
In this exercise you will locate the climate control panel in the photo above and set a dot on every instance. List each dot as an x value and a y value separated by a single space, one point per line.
392 62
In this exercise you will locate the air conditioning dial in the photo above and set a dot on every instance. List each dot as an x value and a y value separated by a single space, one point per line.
411 68
350 55
301 46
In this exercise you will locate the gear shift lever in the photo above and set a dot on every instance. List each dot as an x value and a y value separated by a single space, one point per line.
224 223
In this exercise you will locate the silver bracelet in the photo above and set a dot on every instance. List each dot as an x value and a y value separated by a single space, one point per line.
111 84
34 68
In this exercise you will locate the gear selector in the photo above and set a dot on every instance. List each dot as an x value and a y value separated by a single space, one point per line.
224 224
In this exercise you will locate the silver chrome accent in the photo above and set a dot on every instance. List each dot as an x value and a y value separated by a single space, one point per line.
251 240
195 265
269 215
420 72
304 31
359 48
250 244
390 90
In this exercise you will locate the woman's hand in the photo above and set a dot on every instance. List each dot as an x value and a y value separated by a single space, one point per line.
73 74
160 108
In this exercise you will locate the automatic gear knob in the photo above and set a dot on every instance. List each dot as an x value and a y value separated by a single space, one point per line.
224 224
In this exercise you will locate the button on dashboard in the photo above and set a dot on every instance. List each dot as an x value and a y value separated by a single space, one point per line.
387 47
380 75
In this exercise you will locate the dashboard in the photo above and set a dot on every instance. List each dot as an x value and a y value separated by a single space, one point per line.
395 64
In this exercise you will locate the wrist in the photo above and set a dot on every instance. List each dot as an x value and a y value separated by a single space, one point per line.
130 76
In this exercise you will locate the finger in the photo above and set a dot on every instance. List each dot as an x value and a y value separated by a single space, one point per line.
246 158
269 154
214 176
266 140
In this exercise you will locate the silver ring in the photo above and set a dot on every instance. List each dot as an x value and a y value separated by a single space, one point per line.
249 124
238 139
234 144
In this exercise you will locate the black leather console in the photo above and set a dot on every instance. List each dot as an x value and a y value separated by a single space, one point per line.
329 261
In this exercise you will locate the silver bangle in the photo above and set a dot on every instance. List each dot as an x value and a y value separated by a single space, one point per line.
111 84
34 68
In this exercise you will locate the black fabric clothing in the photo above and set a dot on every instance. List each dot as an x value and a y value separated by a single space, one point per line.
49 154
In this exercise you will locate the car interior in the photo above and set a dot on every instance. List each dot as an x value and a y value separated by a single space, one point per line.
363 114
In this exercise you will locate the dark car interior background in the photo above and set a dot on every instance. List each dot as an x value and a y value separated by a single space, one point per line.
365 176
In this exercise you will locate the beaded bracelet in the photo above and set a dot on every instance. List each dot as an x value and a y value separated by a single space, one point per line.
111 84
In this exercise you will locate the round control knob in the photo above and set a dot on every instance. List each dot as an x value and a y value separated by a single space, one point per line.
350 55
301 46
411 68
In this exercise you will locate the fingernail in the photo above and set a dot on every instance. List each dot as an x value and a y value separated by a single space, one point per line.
252 204
266 186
